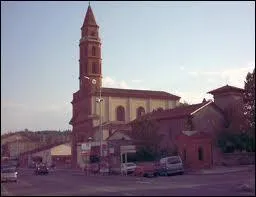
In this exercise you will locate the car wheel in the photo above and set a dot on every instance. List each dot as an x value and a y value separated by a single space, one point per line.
145 175
155 174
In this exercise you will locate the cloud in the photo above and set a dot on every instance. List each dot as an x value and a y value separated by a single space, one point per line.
112 83
193 73
136 81
192 97
234 76
211 80
182 68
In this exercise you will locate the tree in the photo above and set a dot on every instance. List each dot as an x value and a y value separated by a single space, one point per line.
144 132
184 104
249 102
230 141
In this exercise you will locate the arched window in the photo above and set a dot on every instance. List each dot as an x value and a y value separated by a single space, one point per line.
95 69
120 113
93 51
140 111
200 154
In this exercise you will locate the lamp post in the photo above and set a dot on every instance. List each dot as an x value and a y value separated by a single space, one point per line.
98 100
17 147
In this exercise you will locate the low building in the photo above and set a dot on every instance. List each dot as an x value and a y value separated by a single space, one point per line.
58 155
16 144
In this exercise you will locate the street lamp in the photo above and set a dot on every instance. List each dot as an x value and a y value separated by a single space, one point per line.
17 147
98 100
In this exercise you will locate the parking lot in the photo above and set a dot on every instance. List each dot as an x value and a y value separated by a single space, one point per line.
77 183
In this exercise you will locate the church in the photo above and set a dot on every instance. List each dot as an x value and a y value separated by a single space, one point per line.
94 106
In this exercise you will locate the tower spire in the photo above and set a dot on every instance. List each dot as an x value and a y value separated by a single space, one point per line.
89 17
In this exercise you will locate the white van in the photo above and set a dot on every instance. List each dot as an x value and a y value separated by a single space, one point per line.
171 165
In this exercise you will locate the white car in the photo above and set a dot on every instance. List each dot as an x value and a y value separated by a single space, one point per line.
9 174
171 165
128 168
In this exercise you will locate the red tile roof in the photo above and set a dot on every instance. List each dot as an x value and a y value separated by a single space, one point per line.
224 89
137 93
178 112
125 131
114 124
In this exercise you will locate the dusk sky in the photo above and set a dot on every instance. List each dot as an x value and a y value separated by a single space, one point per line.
184 48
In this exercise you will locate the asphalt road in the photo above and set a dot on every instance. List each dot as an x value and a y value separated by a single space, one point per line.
73 183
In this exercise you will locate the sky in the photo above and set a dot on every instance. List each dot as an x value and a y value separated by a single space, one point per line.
184 48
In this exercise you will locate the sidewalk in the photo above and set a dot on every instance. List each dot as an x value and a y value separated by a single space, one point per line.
54 170
223 170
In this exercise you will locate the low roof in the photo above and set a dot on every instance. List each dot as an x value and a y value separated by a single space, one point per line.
123 131
114 124
225 89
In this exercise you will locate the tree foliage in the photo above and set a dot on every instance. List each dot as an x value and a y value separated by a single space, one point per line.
43 137
184 104
249 102
145 133
230 141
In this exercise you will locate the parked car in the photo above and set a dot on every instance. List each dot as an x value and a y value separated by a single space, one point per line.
146 170
41 169
170 165
128 168
9 173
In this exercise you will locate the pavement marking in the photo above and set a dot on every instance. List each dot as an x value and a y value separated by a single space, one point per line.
147 182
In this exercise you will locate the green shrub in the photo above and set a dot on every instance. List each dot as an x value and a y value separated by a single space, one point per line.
229 142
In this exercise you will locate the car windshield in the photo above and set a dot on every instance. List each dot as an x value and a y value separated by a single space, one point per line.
130 164
173 160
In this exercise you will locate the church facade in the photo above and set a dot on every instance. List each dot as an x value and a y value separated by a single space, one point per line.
94 105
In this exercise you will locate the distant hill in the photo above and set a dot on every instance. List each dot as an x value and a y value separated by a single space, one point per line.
42 137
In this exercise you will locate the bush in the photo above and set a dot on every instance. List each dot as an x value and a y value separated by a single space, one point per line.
145 154
229 142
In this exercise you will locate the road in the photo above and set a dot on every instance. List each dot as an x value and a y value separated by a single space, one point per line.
73 183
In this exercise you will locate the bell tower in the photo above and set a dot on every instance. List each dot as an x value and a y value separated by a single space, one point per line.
90 77
90 53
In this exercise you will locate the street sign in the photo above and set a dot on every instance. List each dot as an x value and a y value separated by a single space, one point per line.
86 147
128 149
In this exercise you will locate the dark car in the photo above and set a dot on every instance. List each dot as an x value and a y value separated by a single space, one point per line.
41 169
